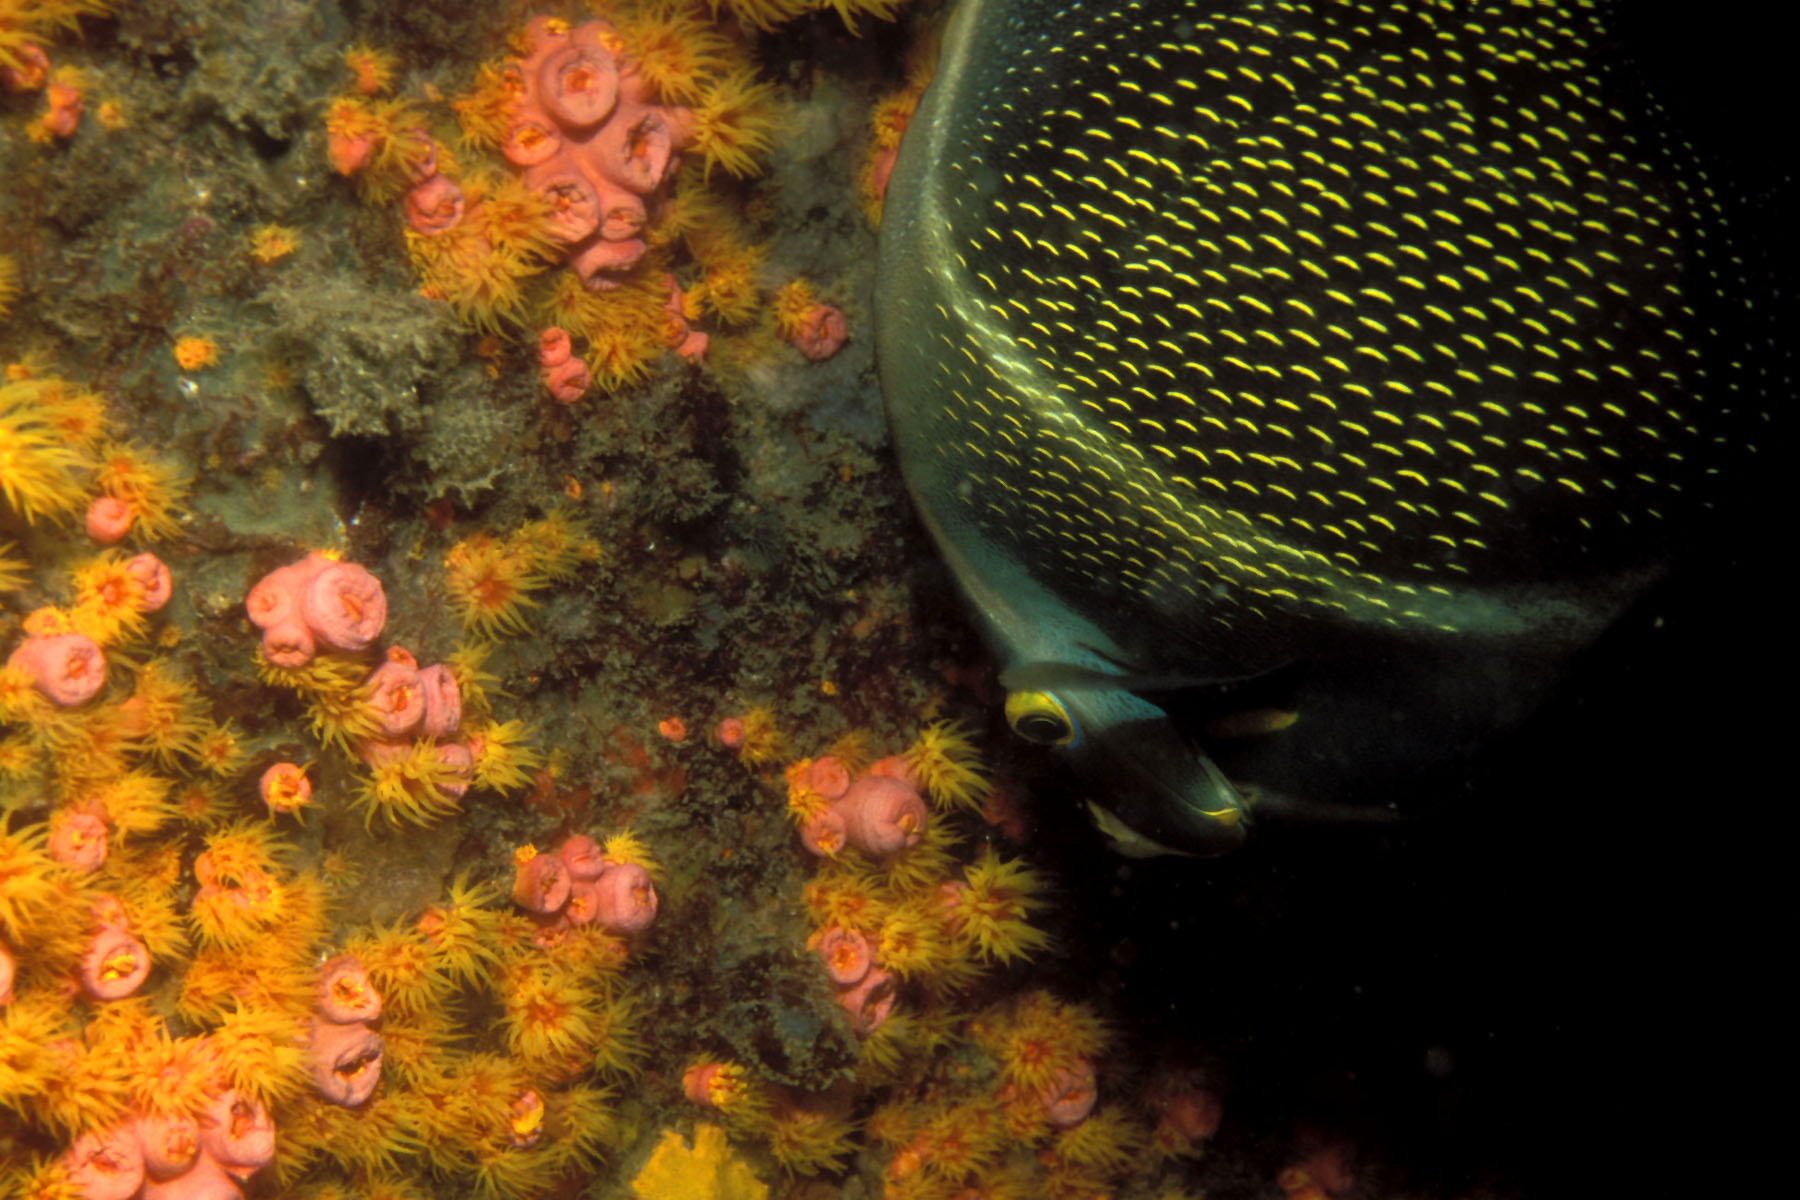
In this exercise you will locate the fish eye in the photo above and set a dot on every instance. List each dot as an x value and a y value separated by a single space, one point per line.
1040 717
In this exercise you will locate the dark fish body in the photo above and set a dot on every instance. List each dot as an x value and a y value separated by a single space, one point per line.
1390 348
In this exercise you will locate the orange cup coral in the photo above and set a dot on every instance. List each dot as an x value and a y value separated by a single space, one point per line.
541 883
78 840
285 788
625 899
109 520
115 965
68 668
316 600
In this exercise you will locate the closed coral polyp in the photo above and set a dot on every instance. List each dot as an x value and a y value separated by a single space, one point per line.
344 606
67 668
397 698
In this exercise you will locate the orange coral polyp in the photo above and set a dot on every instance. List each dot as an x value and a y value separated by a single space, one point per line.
352 132
372 69
490 585
846 955
195 353
719 1085
285 788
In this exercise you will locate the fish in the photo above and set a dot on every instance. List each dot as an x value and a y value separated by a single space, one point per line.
1297 390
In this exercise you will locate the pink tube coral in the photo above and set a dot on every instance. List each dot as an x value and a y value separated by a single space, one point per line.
587 139
109 520
582 855
237 1133
883 815
870 1001
880 812
1070 1097
313 602
443 700
554 346
344 606
397 698
205 1180
68 668
345 991
289 644
578 83
568 381
625 899
583 907
434 207
106 1164
828 777
822 333
274 599
458 763
846 955
78 840
346 1061
170 1144
115 965
826 833
563 374
575 206
541 883
152 575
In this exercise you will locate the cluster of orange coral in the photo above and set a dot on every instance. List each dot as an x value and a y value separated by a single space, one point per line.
57 456
482 238
201 1023
656 249
973 1095
319 620
492 580
911 939
26 28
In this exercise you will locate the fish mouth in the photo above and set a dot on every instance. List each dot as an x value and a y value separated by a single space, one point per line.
1162 789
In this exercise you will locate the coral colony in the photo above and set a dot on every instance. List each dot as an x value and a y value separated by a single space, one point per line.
216 737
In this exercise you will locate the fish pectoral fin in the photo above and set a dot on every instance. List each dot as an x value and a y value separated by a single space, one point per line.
1275 807
1253 722
1229 709
1126 841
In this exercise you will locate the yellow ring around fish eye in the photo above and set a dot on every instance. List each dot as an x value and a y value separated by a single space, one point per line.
1040 717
